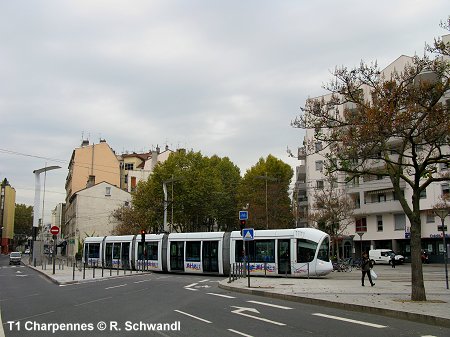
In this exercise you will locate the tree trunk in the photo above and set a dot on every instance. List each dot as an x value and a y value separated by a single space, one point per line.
418 287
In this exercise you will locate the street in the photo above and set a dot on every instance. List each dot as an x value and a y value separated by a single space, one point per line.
172 305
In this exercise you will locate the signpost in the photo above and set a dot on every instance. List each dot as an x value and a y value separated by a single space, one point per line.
248 234
55 231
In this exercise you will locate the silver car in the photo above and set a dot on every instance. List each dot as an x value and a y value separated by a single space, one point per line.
15 258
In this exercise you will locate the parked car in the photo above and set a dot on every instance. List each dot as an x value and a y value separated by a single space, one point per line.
15 258
384 256
27 251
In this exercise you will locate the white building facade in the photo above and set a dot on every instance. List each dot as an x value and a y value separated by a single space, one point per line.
379 220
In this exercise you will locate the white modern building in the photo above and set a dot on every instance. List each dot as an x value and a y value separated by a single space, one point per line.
378 216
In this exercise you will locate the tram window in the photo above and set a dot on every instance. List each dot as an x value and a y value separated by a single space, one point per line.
94 250
324 250
193 251
258 251
152 250
306 249
264 251
239 251
116 251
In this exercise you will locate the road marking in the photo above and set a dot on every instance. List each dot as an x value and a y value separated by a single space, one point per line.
271 305
378 326
37 315
191 285
121 285
200 319
142 281
204 280
240 310
191 289
239 333
100 299
220 295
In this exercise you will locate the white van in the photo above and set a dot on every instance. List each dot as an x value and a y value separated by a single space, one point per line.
384 256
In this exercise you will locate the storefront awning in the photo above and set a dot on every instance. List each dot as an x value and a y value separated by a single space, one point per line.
383 191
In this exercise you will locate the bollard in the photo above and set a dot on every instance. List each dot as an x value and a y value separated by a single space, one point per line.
93 271
102 269
117 267
73 272
229 275
110 270
84 271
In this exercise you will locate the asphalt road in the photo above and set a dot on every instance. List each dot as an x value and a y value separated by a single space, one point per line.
177 305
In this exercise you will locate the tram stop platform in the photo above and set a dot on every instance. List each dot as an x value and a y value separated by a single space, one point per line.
391 295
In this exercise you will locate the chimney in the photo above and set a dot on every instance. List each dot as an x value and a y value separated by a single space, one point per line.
91 181
84 143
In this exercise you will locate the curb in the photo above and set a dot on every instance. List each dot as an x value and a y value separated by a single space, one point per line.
409 316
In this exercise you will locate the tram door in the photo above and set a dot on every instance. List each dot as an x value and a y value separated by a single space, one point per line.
284 256
177 255
125 255
108 255
210 256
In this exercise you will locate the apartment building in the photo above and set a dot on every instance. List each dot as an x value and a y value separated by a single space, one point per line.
89 213
135 167
378 218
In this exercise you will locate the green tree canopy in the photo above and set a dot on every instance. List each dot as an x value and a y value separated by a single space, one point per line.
23 220
201 192
265 188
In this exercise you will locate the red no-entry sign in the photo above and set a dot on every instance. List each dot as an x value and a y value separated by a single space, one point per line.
54 230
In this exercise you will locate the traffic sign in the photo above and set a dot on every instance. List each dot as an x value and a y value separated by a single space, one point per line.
243 215
248 234
54 230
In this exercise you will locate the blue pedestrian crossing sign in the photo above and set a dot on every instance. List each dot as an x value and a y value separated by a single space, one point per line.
248 234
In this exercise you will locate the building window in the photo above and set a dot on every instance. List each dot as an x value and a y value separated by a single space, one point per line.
399 222
430 217
445 190
381 197
319 184
361 225
129 166
318 146
108 191
379 223
423 194
319 165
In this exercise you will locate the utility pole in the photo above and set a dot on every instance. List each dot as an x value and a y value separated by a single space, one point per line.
266 178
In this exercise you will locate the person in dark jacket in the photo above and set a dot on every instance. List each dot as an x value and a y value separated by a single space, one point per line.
393 260
365 269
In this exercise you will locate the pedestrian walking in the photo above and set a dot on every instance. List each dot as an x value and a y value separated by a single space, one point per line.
393 260
365 269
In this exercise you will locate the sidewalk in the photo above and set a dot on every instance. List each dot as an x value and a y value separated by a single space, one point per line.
389 297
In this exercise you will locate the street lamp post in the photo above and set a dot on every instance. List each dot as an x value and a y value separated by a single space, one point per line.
266 178
360 239
37 196
442 213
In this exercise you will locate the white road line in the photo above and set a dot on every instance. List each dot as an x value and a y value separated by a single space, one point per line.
142 281
239 333
220 295
191 289
204 280
200 319
37 315
121 285
191 285
100 299
271 305
378 326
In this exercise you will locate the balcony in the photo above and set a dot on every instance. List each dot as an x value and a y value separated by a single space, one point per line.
389 206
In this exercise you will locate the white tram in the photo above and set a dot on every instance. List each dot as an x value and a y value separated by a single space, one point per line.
291 252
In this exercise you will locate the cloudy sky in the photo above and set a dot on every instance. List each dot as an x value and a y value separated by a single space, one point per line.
220 77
